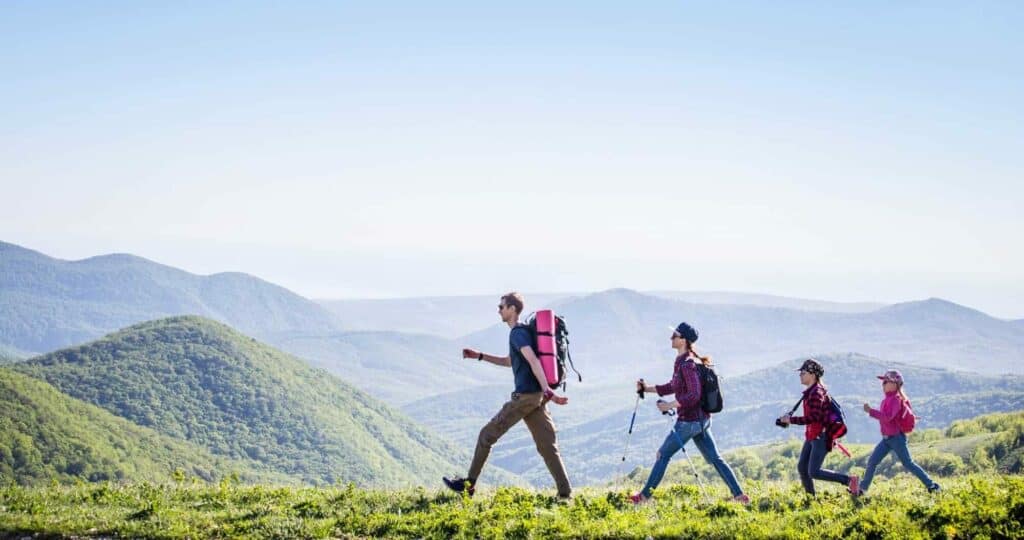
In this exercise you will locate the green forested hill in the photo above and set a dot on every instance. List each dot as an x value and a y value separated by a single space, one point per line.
48 303
46 435
199 380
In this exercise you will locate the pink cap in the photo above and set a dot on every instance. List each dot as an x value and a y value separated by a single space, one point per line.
892 376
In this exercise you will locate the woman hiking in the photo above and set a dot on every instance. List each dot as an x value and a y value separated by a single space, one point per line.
891 415
692 422
816 409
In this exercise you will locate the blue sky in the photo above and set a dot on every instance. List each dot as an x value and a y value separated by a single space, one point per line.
867 151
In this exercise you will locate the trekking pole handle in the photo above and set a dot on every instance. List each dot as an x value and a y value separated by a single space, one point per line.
670 412
640 391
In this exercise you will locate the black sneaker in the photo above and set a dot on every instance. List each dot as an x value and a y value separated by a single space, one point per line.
460 485
934 488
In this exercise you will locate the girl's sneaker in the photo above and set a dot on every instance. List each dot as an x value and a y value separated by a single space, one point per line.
742 499
638 498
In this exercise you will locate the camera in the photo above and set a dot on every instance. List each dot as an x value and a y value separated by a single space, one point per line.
780 423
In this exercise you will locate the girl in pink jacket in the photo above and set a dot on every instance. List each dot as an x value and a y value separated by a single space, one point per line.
891 415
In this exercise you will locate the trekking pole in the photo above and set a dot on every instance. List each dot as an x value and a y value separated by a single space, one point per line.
639 396
697 476
682 447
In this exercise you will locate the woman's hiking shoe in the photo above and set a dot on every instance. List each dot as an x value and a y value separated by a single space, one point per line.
638 498
742 499
460 485
854 485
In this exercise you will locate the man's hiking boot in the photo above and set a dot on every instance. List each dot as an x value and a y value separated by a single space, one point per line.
460 485
934 488
742 499
854 485
638 498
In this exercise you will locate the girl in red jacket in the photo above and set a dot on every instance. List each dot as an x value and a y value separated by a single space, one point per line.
816 407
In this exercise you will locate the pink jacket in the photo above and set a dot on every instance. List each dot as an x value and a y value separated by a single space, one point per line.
888 414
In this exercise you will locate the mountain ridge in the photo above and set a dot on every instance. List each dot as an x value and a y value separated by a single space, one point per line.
50 303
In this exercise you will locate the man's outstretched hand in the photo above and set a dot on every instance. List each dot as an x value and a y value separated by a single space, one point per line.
471 353
552 396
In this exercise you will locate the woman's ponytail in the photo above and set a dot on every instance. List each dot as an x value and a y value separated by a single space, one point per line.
706 360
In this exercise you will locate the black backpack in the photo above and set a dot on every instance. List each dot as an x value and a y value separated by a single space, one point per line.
710 392
561 347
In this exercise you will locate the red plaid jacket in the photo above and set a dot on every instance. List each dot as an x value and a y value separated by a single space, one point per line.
816 406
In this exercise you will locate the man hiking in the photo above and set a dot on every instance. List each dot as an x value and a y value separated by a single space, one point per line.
527 403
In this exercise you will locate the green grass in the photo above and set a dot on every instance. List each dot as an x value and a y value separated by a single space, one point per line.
976 506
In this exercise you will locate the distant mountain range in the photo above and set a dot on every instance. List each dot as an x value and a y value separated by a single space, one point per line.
446 316
766 300
48 303
623 333
199 381
455 316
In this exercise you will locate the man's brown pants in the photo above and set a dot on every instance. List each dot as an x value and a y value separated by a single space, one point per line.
531 409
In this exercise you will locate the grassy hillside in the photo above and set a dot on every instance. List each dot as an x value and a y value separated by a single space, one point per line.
200 381
47 303
978 506
46 435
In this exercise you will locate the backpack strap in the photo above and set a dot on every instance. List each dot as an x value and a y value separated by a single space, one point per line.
793 410
571 365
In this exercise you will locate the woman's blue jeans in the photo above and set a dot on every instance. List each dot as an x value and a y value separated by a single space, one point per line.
897 444
700 433
811 457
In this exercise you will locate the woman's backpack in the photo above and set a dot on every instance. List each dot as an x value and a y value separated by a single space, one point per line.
907 418
710 392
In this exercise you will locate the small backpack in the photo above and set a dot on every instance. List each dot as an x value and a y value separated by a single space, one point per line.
710 392
561 347
907 418
835 425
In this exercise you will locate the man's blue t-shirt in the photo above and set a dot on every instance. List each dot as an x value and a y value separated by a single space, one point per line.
518 338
